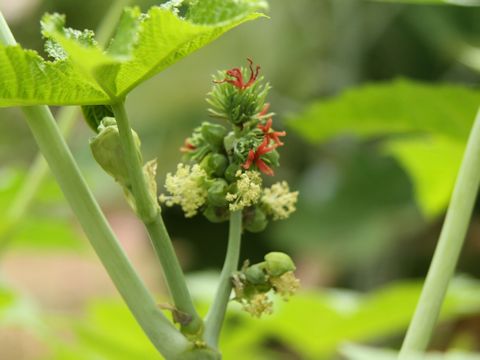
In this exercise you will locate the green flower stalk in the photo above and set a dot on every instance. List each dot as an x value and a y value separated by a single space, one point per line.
221 178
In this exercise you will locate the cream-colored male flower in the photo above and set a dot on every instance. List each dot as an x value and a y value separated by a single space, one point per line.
186 188
279 201
286 285
259 305
249 189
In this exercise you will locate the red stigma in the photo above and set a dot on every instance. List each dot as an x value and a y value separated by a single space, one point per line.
236 77
254 157
271 134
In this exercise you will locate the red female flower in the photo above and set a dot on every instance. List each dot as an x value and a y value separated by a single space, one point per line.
254 157
271 134
236 74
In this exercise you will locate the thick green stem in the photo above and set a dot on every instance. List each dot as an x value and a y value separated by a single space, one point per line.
448 248
174 275
160 331
39 168
146 206
216 315
149 212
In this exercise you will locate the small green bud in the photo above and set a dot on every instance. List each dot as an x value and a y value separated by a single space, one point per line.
255 220
216 214
217 163
107 151
256 275
229 142
231 172
213 134
278 263
217 193
272 158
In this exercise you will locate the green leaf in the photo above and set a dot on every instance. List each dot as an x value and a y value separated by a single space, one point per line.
47 225
428 117
27 79
144 45
433 165
435 2
94 114
357 352
311 325
330 318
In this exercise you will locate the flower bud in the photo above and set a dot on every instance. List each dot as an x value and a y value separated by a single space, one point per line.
229 142
255 220
256 275
216 214
107 151
213 134
217 192
278 263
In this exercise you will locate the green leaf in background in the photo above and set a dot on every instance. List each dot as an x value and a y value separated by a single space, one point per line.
435 2
144 45
356 352
47 226
437 117
16 310
312 325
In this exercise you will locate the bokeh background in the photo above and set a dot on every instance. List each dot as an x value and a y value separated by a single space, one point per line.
361 237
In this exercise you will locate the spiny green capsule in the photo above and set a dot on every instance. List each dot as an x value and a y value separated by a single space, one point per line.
216 214
107 151
256 274
217 193
256 220
213 134
278 263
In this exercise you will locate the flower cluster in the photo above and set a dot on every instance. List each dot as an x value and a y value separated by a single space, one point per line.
224 164
187 189
254 283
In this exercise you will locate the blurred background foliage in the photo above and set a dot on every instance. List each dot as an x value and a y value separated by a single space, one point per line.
377 100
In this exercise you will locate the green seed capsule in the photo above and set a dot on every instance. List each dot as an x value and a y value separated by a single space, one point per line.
256 275
216 214
231 171
218 164
278 263
217 193
256 220
213 134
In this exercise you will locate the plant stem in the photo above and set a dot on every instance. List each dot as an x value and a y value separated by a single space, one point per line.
66 118
146 206
448 248
216 314
160 331
174 275
149 213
